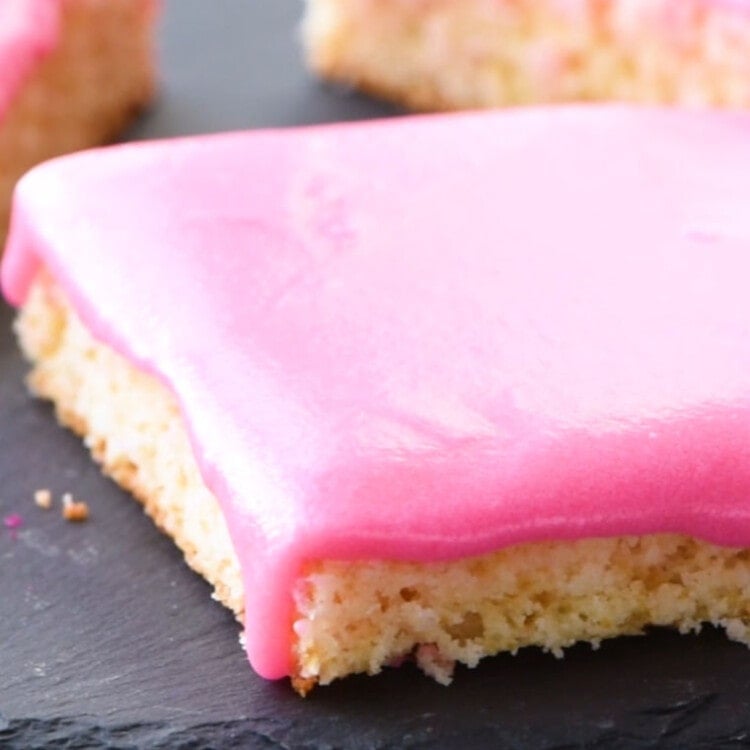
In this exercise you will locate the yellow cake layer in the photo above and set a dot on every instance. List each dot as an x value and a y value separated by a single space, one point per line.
451 54
82 94
360 616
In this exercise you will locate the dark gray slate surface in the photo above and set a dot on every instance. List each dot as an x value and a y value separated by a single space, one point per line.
108 640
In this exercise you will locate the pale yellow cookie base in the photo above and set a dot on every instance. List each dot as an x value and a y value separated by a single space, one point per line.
455 54
359 617
84 93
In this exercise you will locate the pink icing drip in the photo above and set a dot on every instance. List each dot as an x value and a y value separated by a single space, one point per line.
427 338
29 30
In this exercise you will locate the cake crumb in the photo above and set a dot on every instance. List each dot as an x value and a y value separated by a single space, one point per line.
43 498
303 685
74 510
434 664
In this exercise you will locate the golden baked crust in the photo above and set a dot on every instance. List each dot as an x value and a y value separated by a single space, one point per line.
84 93
444 54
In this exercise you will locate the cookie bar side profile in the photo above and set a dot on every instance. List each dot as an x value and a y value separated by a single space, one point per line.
425 423
97 74
450 54
364 615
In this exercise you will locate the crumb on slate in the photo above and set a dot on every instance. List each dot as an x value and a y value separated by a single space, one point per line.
43 498
74 510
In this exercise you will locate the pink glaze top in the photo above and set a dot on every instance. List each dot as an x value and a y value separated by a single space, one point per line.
29 30
431 337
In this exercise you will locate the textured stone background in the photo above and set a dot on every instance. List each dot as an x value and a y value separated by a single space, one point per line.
108 640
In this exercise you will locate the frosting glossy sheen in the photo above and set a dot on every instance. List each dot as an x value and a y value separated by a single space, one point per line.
429 337
29 30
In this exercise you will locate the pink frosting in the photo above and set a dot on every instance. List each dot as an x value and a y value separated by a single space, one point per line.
29 30
429 337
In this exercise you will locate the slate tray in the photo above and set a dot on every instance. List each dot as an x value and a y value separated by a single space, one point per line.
108 640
